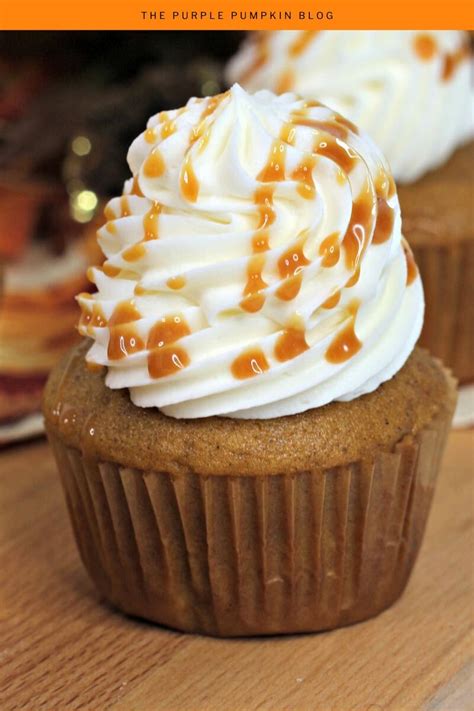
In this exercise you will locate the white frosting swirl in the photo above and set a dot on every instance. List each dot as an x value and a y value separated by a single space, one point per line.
409 90
261 271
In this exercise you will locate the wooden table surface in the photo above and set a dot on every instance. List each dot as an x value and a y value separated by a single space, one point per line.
61 648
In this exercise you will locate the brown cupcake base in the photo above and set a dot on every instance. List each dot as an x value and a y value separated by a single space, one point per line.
255 555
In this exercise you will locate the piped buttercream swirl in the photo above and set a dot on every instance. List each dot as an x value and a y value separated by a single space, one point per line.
255 265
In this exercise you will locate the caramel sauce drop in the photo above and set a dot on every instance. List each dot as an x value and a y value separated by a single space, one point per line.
253 300
248 364
176 282
94 318
353 279
348 124
123 341
452 61
291 343
303 173
290 288
425 46
329 250
274 169
343 156
346 344
136 187
150 222
412 269
124 207
110 270
264 200
154 165
301 42
150 135
124 312
134 253
285 82
288 133
109 214
167 330
384 222
168 128
167 361
354 240
332 301
111 228
330 127
292 261
188 181
384 185
260 243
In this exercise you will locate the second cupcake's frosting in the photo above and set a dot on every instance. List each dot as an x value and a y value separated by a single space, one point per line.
255 264
410 90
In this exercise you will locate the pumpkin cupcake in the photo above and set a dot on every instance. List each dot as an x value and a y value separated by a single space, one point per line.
248 441
411 92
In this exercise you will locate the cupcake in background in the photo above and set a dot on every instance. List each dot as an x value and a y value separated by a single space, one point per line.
411 91
248 438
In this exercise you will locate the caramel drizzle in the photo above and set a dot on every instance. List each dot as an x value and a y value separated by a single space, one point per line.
134 253
425 46
253 298
110 270
136 187
329 250
93 318
301 43
355 238
292 342
292 261
124 207
303 173
384 223
124 312
165 357
452 61
176 282
248 364
384 185
332 302
123 342
290 288
274 169
338 130
342 155
412 269
346 344
154 165
150 222
188 181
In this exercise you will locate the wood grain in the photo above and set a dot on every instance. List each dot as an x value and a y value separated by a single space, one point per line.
61 648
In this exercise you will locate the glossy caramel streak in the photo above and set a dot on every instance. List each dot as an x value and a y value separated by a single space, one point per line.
346 344
123 341
154 165
188 181
167 361
124 312
290 344
303 174
150 222
331 127
134 253
167 330
290 288
254 300
329 250
384 222
274 169
412 269
341 154
360 224
263 199
250 363
292 261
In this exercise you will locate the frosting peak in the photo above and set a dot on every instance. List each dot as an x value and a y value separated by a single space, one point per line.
409 90
255 264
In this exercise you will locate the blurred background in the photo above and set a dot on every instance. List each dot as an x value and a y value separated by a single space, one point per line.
70 105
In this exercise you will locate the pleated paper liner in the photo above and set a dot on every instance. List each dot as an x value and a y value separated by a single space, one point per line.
243 555
447 272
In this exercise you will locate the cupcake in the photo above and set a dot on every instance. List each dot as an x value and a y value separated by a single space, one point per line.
411 92
247 439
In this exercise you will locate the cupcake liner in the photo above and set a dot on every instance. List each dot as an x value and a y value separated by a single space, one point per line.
251 555
447 272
